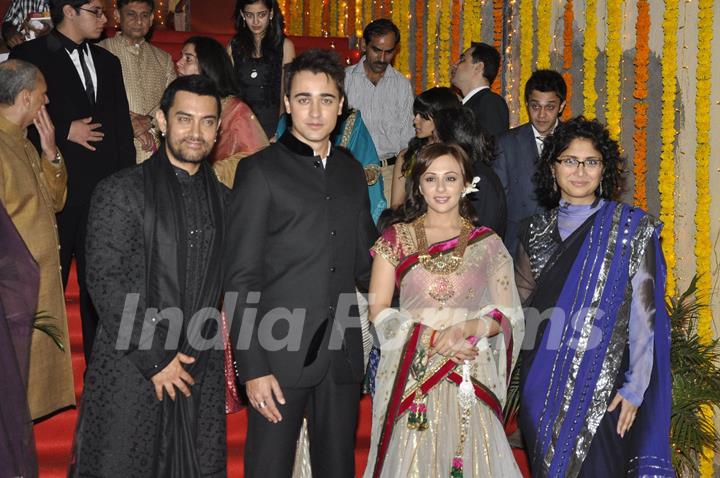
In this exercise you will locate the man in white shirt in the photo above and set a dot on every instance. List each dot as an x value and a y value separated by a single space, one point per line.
473 74
518 150
382 94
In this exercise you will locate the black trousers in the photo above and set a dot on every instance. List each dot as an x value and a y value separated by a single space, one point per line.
72 222
331 410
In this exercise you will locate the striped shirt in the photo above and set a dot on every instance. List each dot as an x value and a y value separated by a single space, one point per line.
386 107
19 10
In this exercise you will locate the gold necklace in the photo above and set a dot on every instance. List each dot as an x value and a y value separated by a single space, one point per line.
442 263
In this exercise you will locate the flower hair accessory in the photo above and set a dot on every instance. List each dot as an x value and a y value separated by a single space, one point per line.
471 187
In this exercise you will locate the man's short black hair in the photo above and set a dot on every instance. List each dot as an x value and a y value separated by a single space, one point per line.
121 3
490 58
197 84
56 9
317 61
546 81
380 27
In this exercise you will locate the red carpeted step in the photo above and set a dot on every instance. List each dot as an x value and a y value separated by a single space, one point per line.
54 435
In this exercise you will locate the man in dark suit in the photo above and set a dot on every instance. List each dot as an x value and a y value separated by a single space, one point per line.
473 74
298 243
518 151
90 111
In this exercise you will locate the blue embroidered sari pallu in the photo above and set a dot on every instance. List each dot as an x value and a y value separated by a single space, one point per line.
580 356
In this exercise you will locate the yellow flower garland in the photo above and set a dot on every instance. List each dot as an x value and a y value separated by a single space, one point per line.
613 110
471 21
432 43
544 15
589 57
316 15
403 7
703 245
444 55
666 178
367 10
526 49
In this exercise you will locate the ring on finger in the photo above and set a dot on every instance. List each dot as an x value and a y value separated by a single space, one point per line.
262 404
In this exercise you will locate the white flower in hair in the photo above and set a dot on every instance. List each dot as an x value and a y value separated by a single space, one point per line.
471 187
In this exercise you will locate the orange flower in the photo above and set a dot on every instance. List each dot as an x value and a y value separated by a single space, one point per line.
350 31
642 27
497 34
455 45
568 18
419 51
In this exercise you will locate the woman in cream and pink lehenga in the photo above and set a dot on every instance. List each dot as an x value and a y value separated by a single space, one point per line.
448 352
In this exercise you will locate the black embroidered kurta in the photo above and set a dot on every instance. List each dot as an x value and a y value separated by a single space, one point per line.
123 430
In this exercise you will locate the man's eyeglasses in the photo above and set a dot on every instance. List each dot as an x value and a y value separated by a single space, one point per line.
574 163
98 12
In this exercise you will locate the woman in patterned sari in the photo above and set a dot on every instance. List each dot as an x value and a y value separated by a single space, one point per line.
448 352
595 379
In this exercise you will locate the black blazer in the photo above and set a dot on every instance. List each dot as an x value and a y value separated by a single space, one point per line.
300 235
491 111
489 200
69 102
516 158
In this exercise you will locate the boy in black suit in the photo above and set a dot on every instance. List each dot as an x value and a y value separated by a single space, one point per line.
89 109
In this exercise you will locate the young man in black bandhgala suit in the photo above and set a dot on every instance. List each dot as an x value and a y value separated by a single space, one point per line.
89 109
300 236
154 398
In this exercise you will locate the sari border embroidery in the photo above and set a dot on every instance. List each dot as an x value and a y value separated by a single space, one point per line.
391 414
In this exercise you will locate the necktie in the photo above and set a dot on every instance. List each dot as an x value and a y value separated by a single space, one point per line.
89 87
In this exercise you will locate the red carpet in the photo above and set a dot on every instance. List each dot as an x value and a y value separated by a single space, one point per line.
54 435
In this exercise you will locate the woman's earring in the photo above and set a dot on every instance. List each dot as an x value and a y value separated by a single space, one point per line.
601 188
554 183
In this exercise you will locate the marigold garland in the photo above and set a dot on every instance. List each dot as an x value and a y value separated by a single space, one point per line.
286 9
306 17
526 48
351 18
455 22
544 37
703 244
432 43
298 17
377 11
419 40
403 23
613 51
325 17
640 92
589 57
316 17
444 53
471 17
497 37
367 13
666 178
568 17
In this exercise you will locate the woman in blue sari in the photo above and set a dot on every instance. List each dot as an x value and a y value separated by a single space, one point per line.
595 390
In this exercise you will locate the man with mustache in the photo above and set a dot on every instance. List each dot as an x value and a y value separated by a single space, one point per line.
382 94
154 396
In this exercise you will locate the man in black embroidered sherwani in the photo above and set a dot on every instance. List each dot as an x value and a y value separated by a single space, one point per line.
154 395
300 236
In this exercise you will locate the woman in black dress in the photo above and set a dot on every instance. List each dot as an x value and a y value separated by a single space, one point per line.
259 50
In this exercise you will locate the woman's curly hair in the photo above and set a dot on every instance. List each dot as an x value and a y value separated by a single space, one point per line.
613 177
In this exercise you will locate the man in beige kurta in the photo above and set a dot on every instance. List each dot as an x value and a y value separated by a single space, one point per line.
146 70
33 189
